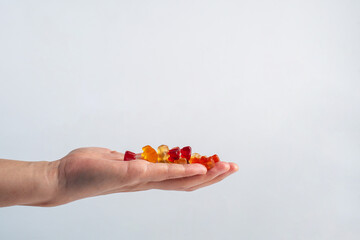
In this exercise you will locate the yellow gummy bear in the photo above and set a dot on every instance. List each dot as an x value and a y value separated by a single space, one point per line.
149 154
163 154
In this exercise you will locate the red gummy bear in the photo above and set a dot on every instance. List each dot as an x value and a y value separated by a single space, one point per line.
186 152
174 154
215 158
203 160
129 156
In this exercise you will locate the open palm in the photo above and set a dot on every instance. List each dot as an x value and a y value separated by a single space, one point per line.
87 172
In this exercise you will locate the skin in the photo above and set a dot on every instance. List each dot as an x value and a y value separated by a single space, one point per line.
88 172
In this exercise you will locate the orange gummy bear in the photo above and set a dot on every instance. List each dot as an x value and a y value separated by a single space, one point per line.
149 154
209 163
181 161
216 158
195 158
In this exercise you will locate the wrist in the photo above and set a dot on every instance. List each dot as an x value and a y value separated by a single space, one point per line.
52 188
28 183
46 184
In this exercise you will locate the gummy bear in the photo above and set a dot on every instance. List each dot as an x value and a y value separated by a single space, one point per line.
181 161
195 158
163 154
149 154
203 160
186 152
174 154
209 163
215 158
129 156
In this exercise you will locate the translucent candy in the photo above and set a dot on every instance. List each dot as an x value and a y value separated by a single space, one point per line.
163 154
129 156
209 163
174 154
215 158
195 158
149 154
181 161
203 160
186 152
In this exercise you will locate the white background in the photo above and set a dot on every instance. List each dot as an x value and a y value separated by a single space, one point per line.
271 85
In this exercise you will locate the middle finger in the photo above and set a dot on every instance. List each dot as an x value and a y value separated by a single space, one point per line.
188 182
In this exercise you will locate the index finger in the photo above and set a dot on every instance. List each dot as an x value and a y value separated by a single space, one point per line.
156 172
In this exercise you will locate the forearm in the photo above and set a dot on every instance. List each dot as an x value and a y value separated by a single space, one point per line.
28 183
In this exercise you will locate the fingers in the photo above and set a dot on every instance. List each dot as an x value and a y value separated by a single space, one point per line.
190 182
140 175
144 172
164 171
233 168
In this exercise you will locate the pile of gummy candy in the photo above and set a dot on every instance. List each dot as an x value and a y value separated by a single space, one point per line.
174 155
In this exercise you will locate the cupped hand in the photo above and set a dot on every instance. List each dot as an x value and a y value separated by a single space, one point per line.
87 172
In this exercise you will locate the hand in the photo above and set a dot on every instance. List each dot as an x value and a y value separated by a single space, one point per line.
87 172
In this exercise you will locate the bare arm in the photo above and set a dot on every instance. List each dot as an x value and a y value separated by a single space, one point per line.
27 183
